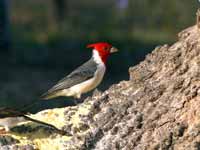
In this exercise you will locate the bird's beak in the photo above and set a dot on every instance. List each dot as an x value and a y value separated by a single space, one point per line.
113 50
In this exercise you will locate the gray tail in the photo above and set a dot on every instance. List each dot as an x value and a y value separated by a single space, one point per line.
50 95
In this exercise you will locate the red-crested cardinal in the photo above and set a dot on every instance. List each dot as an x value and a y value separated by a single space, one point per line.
86 77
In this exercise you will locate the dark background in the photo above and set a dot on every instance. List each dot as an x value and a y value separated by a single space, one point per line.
41 41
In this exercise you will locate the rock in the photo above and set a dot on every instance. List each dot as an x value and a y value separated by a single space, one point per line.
158 108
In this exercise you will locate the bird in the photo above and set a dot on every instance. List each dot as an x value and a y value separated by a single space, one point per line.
10 118
86 77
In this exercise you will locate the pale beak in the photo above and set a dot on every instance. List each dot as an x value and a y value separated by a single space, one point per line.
113 50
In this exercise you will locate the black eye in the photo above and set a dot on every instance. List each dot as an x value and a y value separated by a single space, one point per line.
106 48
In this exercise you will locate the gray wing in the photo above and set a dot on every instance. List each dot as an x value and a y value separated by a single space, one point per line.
81 74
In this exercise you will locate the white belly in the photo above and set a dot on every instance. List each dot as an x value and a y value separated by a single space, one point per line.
87 85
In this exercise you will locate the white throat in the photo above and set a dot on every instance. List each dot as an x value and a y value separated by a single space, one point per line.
96 57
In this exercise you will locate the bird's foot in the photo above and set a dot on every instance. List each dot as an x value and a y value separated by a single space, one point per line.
76 97
3 131
75 102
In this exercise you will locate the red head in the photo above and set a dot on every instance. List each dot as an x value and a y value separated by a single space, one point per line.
104 49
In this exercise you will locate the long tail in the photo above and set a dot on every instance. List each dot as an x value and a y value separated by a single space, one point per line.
50 95
62 132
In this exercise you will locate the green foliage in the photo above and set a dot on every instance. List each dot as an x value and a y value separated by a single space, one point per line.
153 20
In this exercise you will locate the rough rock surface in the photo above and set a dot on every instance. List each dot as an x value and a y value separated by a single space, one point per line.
158 108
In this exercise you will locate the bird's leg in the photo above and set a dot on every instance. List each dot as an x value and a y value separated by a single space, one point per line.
77 96
75 102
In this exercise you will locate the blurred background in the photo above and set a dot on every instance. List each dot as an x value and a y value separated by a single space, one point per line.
41 41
